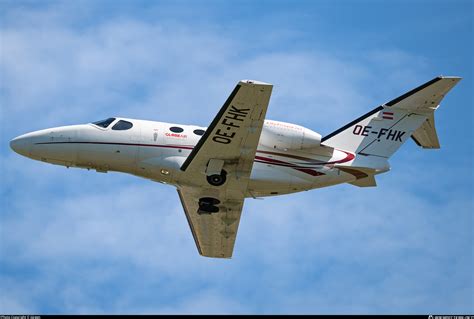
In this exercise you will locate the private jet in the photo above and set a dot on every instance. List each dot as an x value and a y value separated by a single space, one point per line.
241 154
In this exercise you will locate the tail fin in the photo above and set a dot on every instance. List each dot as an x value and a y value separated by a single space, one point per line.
384 129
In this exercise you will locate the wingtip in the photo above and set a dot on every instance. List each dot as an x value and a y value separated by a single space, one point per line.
454 78
254 82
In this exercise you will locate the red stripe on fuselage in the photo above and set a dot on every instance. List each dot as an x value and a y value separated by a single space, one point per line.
259 159
311 161
186 147
266 160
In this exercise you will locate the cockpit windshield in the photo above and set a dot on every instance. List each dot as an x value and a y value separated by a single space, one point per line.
104 123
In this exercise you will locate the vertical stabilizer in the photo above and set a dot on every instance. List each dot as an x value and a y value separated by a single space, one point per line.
383 130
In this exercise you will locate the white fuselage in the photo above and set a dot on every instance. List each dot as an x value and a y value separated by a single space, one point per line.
288 159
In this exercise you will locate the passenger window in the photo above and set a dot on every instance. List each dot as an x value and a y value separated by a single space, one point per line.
199 132
122 126
176 129
104 123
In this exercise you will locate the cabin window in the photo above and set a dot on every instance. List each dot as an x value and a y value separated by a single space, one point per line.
176 129
122 126
199 132
104 123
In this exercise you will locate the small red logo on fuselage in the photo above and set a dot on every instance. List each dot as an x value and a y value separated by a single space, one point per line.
176 135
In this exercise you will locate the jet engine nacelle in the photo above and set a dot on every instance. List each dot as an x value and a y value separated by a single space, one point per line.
286 136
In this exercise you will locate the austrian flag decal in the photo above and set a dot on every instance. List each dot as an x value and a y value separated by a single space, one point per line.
387 115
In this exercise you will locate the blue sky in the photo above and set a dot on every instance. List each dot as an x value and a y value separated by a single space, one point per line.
73 241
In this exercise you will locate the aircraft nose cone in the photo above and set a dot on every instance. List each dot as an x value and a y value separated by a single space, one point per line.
21 145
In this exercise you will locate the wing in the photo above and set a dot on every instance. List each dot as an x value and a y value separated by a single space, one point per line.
216 173
213 233
234 133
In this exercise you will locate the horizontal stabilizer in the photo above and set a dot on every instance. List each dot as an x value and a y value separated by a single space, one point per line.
368 181
364 175
426 136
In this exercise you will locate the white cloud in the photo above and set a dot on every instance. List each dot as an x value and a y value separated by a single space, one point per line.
150 70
